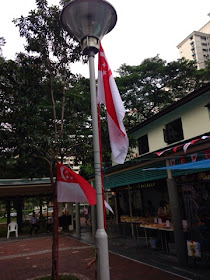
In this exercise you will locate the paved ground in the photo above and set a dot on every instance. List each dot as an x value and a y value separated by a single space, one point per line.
28 257
22 259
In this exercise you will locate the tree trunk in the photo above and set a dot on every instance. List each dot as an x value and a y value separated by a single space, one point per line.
54 275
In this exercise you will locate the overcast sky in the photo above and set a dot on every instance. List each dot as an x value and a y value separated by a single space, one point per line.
144 28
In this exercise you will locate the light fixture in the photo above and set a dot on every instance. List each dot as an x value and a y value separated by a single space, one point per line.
88 21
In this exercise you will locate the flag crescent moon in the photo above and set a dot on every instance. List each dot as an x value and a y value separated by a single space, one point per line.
62 175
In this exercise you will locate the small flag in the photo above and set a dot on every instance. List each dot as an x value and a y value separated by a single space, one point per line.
161 152
175 148
172 161
194 157
207 154
183 160
186 146
108 94
71 187
108 206
190 143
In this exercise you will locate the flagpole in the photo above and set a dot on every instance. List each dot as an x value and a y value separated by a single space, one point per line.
101 238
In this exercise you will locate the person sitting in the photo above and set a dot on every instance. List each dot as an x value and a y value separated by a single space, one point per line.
34 224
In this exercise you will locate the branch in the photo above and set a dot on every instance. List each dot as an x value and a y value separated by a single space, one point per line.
63 101
52 98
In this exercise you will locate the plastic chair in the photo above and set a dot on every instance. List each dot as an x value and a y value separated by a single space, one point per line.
12 227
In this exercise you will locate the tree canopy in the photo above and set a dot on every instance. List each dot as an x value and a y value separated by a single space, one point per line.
45 109
155 84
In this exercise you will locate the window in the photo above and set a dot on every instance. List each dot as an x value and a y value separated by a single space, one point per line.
143 144
173 132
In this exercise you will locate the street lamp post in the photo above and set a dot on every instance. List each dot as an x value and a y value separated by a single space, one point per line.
88 21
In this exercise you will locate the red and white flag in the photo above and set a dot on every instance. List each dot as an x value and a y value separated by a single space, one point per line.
161 152
183 159
109 95
172 161
71 187
207 154
194 157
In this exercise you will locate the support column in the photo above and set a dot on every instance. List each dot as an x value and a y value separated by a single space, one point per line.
119 212
71 213
93 220
180 242
131 211
8 211
78 219
117 218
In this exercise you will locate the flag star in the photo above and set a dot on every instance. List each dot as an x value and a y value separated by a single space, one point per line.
104 65
104 73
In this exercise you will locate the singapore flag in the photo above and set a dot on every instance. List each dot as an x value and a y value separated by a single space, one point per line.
71 187
109 95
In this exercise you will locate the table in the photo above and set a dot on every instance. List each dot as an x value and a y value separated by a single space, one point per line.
163 235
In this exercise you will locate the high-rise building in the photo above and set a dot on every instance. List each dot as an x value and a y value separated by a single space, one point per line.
196 46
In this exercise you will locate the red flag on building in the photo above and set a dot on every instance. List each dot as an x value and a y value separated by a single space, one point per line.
71 187
108 94
172 161
194 157
183 160
207 154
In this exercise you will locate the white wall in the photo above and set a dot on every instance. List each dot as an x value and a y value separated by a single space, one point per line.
195 118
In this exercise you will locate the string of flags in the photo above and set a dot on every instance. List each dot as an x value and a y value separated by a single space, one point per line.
193 158
185 147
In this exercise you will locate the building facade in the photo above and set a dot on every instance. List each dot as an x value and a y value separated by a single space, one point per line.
177 135
196 46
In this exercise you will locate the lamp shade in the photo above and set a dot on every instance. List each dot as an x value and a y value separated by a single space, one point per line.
88 18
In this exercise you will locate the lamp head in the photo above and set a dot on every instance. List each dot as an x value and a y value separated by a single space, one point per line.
88 21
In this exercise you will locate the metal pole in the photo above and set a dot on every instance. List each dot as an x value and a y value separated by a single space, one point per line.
93 220
131 212
180 242
101 235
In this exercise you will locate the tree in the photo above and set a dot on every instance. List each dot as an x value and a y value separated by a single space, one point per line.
155 84
2 43
40 96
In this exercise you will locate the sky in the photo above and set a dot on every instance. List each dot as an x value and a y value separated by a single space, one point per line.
143 30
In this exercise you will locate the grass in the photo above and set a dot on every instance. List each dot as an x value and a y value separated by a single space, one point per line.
4 220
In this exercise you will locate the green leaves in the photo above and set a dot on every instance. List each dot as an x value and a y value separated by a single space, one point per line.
45 109
155 84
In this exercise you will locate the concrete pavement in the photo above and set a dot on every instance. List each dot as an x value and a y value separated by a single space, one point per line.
27 258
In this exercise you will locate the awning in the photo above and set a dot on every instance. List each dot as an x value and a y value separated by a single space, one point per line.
192 165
